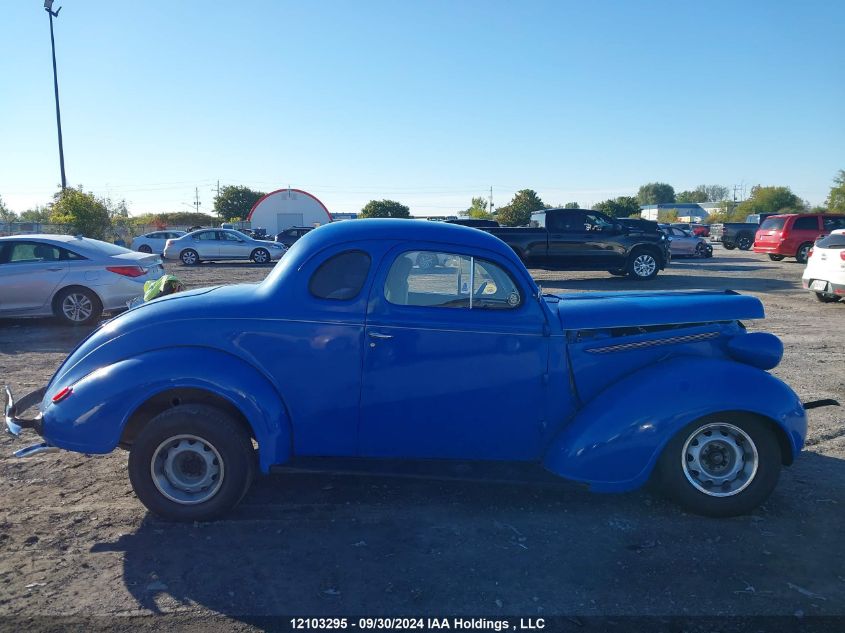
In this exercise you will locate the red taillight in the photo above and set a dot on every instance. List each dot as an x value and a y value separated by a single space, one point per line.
61 395
842 255
809 253
127 271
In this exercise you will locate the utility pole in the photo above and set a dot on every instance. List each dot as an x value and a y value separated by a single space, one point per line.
48 7
217 197
490 210
197 202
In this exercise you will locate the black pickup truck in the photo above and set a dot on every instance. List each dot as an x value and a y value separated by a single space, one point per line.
581 239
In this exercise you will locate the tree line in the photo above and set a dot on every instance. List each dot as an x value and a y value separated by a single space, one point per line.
101 218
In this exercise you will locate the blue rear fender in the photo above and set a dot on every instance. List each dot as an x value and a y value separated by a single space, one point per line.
93 418
615 440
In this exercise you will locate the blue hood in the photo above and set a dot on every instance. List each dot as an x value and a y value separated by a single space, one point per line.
590 311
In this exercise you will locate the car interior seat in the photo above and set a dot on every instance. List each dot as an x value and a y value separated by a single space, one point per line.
396 286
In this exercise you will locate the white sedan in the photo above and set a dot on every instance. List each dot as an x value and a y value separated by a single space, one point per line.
824 275
154 242
220 245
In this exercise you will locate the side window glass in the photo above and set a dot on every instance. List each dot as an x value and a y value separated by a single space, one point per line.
205 235
33 252
341 276
831 224
70 255
806 224
594 222
447 280
573 222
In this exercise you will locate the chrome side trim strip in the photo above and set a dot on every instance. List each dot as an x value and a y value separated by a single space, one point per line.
625 347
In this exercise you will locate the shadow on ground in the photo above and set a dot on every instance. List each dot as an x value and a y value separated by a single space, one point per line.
324 544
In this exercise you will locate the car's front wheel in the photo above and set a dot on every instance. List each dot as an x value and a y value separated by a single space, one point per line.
189 257
260 256
642 265
143 248
191 463
729 245
721 465
77 306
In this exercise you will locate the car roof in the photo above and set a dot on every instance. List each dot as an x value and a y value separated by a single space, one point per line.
49 237
410 230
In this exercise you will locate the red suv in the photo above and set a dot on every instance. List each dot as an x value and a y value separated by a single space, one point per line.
792 235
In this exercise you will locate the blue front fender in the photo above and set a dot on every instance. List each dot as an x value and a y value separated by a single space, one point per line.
614 442
92 418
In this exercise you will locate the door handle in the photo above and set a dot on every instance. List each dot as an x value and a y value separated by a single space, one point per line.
379 335
55 269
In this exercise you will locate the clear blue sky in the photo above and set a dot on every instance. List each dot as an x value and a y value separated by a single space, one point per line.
428 103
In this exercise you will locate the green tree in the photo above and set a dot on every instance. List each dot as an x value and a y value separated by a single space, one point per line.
385 209
836 197
38 214
621 207
82 211
176 218
6 214
518 211
235 201
478 209
656 193
696 195
669 215
572 205
769 200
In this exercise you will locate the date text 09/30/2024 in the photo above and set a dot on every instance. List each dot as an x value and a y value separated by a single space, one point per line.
414 623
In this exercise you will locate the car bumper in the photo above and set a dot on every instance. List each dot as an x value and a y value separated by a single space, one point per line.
15 423
772 249
824 286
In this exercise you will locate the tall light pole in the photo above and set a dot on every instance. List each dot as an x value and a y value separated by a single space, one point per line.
48 7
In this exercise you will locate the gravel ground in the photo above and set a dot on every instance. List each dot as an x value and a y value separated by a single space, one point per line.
74 541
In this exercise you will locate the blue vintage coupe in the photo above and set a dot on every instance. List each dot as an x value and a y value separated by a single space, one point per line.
350 349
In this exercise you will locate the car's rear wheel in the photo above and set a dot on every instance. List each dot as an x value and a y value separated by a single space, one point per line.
700 250
77 306
721 465
642 265
825 298
744 242
618 272
189 257
260 256
776 258
191 463
729 245
803 253
143 248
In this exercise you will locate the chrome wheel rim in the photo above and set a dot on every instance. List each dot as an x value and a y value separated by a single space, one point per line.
260 257
187 469
802 252
189 257
77 307
644 265
719 459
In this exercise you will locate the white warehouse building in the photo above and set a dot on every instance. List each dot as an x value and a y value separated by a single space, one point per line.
284 208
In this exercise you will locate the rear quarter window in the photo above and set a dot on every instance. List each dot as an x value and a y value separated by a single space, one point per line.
832 241
340 277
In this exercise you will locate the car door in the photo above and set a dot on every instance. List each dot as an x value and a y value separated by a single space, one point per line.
30 271
455 361
233 246
205 243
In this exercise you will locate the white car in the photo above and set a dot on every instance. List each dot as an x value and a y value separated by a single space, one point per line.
219 245
75 279
154 242
824 275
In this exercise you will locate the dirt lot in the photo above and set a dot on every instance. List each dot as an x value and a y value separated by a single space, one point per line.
75 541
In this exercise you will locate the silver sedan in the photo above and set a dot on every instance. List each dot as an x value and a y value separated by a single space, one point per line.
219 245
75 279
684 244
